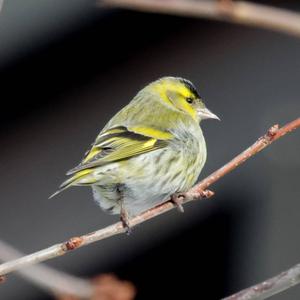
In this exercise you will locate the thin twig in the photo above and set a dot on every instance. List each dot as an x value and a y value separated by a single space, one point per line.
273 134
239 12
270 287
51 280
68 287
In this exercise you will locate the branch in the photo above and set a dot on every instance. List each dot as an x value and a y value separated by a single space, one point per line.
196 192
239 12
68 287
56 282
270 287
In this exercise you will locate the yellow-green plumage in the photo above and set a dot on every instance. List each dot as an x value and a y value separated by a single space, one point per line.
149 150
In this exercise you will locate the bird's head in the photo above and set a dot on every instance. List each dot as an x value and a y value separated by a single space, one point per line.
182 95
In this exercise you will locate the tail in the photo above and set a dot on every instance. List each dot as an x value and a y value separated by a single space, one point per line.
74 180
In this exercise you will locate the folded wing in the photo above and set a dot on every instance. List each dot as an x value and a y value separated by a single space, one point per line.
120 143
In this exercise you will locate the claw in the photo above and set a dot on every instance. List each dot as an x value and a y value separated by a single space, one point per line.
177 200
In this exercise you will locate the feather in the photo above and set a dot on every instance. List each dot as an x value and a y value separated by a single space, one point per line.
71 181
118 144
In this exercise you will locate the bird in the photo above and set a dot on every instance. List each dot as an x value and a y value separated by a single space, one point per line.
152 149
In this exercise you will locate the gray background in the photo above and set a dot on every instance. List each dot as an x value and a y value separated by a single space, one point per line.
66 68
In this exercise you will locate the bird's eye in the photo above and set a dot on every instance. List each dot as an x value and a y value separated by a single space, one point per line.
189 100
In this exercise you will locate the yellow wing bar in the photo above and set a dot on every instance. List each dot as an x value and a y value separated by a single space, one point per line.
119 144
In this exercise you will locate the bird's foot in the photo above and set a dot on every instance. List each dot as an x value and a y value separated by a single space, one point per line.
177 199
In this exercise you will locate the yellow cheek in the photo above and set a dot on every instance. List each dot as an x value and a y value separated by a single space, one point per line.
189 109
163 87
185 92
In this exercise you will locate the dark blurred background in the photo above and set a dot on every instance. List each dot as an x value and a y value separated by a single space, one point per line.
67 66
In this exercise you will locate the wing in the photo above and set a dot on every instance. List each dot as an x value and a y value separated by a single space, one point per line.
119 143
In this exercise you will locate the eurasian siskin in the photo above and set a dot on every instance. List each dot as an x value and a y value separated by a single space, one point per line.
151 149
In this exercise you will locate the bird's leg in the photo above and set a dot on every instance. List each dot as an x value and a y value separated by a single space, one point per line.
124 217
177 198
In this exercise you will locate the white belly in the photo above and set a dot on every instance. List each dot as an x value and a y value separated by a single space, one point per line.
148 180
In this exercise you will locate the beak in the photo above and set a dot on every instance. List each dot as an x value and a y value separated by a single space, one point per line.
205 113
